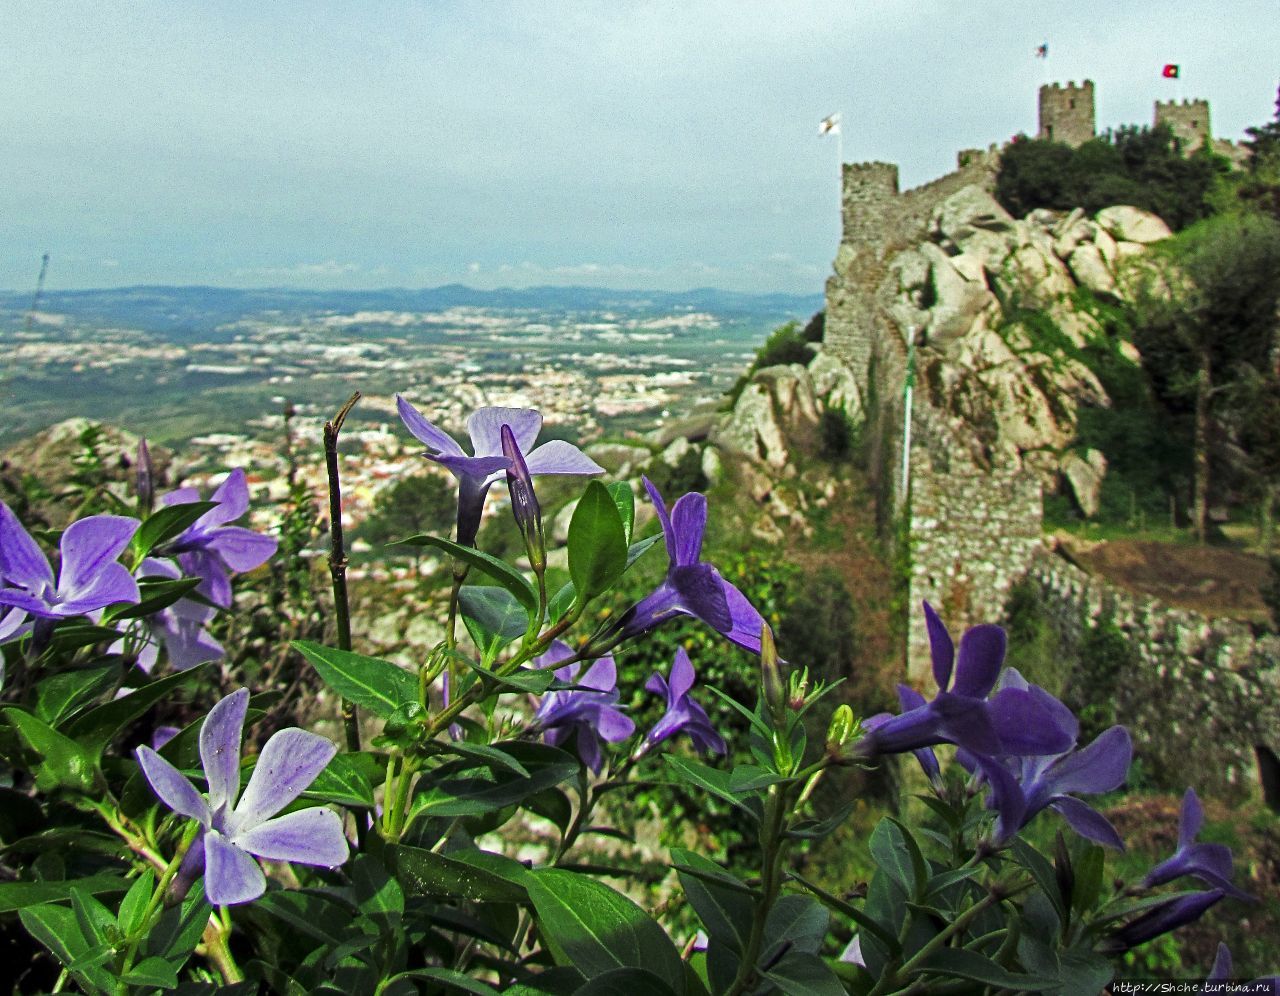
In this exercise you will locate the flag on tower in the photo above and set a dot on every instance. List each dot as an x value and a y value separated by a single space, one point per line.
1042 50
1170 71
829 125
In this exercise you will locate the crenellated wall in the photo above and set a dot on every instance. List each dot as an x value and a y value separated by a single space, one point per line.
1066 113
1189 121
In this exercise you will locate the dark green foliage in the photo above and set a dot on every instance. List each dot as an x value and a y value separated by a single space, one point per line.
835 434
684 477
424 503
787 343
1143 167
1271 592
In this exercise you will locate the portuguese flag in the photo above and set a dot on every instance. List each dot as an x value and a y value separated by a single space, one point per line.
1170 71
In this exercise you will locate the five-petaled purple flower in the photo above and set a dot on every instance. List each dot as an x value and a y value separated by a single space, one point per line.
90 577
488 464
683 714
590 713
1210 863
691 587
1022 786
234 832
1016 720
1177 912
210 548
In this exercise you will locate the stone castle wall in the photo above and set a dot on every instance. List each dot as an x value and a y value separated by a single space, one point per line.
1067 113
1189 121
1204 707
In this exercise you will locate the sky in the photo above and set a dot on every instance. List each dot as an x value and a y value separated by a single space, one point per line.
509 143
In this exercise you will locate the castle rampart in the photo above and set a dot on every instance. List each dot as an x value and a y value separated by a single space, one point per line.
1066 113
1189 121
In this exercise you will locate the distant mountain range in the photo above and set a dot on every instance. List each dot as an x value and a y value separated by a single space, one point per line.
177 309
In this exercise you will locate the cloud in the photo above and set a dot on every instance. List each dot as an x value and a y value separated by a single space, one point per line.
307 271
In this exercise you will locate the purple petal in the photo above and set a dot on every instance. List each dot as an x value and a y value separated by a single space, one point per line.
682 677
89 547
1190 819
589 748
479 468
232 496
26 602
485 427
242 549
558 651
215 585
965 722
658 685
172 787
701 592
230 875
746 624
1166 917
602 676
158 567
659 506
308 836
978 664
613 725
21 560
112 584
688 523
556 456
1026 726
11 623
1100 767
1087 822
189 644
909 698
289 763
1006 798
439 440
1221 970
941 649
180 496
220 748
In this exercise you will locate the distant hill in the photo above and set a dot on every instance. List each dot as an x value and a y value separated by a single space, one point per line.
177 309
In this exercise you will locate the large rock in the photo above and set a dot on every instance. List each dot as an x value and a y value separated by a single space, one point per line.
958 299
969 210
752 428
1084 472
1091 270
793 394
834 384
1131 224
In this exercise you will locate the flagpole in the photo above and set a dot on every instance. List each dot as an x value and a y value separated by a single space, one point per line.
907 392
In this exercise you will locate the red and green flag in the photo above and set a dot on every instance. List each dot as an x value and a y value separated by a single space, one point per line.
1170 71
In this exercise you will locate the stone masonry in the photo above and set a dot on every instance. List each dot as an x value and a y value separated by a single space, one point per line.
1066 113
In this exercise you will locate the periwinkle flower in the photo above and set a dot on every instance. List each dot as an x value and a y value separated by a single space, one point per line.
683 714
1016 720
589 714
691 587
1222 972
1023 786
89 579
524 502
487 463
211 548
179 628
1210 863
1177 911
233 833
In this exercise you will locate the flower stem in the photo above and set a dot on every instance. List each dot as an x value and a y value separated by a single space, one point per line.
772 846
338 557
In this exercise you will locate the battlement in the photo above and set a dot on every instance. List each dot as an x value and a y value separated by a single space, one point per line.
1188 120
1066 113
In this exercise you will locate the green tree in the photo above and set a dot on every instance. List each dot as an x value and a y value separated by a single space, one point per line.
423 503
1206 322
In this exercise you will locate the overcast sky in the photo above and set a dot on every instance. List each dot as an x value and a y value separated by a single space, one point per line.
614 143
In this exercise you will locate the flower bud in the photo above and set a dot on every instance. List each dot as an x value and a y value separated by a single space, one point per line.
798 690
841 729
524 503
146 484
771 680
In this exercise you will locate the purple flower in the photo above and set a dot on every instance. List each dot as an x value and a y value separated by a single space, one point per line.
211 548
1016 720
179 628
692 588
1221 972
1177 912
235 832
1210 863
683 714
590 713
13 623
90 577
488 464
1022 786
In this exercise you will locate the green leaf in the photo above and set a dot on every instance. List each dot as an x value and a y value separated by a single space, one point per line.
798 920
20 895
134 904
155 596
425 873
804 972
153 972
726 911
70 637
749 778
597 542
95 728
959 963
1036 863
375 890
535 681
488 755
447 977
712 780
547 767
625 500
63 762
560 603
625 982
498 570
493 617
58 929
320 916
164 524
595 929
898 855
1090 864
179 929
94 918
342 782
64 694
639 548
369 682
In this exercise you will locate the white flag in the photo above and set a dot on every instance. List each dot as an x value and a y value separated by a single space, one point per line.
829 126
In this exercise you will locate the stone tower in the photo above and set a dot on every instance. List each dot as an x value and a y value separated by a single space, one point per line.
1066 113
1189 121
